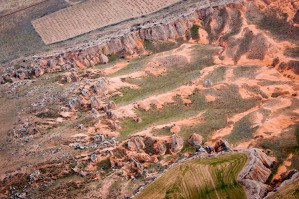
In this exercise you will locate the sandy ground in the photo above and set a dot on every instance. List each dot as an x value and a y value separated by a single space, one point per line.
283 168
116 67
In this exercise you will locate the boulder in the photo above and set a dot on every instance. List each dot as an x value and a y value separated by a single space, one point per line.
111 115
43 62
209 149
34 176
78 146
68 79
37 71
95 113
222 145
201 150
61 61
95 103
160 148
136 166
101 87
21 74
85 92
135 143
99 138
195 140
52 64
75 103
177 143
208 83
93 157
112 105
103 59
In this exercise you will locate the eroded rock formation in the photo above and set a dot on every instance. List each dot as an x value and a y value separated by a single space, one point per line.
195 140
255 173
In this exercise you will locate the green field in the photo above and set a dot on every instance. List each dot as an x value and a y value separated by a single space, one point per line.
201 178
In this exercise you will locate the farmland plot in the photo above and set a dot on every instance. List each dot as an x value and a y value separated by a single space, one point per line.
200 178
92 15
10 6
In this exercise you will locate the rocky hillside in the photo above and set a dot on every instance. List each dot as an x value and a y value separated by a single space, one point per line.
240 28
108 119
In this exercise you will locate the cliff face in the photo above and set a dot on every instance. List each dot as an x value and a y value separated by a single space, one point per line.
255 173
130 42
227 23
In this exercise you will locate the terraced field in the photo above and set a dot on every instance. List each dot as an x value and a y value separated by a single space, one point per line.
91 15
200 178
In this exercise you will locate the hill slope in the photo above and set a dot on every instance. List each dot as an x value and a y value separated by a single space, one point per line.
201 178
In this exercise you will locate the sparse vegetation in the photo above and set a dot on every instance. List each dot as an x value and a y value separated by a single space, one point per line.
243 130
157 46
245 71
104 164
194 32
162 132
235 24
292 52
175 76
215 113
221 20
244 45
280 28
281 146
290 191
24 41
218 75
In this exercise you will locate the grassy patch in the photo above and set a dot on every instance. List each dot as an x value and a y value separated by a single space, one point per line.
217 75
292 52
245 71
244 45
235 24
279 28
194 32
104 164
176 76
170 112
200 178
242 130
281 146
157 46
49 114
215 115
256 90
221 20
162 132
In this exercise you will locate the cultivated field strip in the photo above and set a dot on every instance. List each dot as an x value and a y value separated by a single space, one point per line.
91 15
200 178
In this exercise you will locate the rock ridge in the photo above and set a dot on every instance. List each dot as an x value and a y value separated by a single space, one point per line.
129 41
